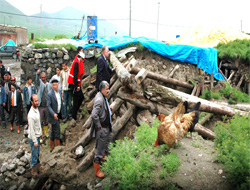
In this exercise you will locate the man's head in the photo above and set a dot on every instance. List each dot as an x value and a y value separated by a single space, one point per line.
29 80
65 66
34 101
43 77
79 49
5 77
8 75
81 55
104 88
13 80
58 70
55 85
105 51
13 87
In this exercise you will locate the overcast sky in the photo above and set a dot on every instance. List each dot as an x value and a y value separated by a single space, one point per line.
174 16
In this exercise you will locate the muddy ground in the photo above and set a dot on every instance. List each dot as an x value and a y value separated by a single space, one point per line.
198 170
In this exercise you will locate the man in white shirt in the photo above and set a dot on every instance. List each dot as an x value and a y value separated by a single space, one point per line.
34 133
54 105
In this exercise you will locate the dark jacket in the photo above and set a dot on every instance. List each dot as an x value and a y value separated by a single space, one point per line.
103 71
52 106
18 99
3 98
26 100
2 69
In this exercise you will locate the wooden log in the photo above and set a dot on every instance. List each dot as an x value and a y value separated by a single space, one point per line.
163 78
226 73
203 131
92 93
206 105
131 64
141 76
225 78
145 116
239 106
240 82
206 118
198 90
194 90
231 76
144 103
85 138
212 81
87 161
229 66
170 75
202 85
123 58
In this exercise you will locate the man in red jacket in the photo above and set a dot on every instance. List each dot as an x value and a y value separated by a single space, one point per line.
75 75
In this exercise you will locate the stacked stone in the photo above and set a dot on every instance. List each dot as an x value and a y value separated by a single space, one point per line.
44 59
16 167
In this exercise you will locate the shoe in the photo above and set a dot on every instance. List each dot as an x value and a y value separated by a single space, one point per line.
4 124
18 129
70 118
52 145
45 130
34 172
11 128
98 172
65 120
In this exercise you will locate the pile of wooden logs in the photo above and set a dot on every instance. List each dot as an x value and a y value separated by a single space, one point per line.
133 90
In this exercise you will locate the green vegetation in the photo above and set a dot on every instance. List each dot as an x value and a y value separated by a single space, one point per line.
66 46
232 94
60 36
233 143
234 49
135 164
94 69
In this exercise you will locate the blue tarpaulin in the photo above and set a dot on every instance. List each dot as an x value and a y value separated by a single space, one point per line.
10 43
204 58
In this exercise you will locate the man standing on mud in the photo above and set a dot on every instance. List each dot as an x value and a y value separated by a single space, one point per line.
34 133
101 125
43 89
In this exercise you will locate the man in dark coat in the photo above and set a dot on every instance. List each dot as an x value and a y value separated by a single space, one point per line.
55 106
15 106
103 70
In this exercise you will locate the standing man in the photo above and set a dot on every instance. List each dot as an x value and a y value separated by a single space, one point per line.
54 104
101 125
57 77
103 70
43 88
15 107
75 77
3 100
66 92
2 69
34 133
28 90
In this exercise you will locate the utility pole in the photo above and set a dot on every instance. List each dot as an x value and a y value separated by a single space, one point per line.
130 18
158 19
41 21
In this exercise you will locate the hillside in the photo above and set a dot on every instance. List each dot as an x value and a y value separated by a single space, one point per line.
52 27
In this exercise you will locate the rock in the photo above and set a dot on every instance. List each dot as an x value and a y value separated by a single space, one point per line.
20 163
99 185
38 56
47 55
49 70
220 171
72 123
11 167
44 61
89 186
37 61
52 163
32 183
54 50
64 50
20 170
59 54
31 55
20 153
46 49
66 57
164 67
23 159
63 187
90 53
14 187
55 61
79 151
4 167
22 186
31 60
39 50
60 61
10 175
53 55
7 179
28 156
51 61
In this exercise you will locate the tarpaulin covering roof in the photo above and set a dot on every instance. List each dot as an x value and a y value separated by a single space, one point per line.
10 43
204 58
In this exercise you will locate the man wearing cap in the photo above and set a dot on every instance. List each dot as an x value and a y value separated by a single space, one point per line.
28 90
13 80
103 70
15 107
43 88
75 77
55 106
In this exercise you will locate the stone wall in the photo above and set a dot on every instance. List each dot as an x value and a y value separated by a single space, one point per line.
47 60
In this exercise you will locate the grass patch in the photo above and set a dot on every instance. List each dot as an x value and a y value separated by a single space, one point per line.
134 164
59 46
233 143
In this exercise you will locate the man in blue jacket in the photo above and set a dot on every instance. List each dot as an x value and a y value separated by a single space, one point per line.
103 70
55 106
28 90
3 100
